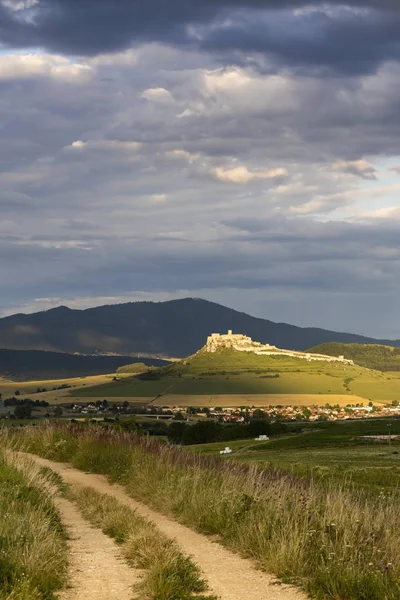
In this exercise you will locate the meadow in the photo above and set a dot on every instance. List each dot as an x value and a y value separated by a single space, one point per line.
230 373
326 451
226 378
335 540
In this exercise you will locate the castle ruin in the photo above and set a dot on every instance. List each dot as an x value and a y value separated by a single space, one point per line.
244 343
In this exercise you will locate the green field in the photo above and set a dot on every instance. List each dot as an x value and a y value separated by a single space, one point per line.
234 373
329 450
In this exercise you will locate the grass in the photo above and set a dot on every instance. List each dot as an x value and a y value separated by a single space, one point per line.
331 452
227 372
335 542
372 356
33 549
168 574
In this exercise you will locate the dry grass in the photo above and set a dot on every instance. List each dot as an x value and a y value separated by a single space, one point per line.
33 549
167 573
28 388
335 542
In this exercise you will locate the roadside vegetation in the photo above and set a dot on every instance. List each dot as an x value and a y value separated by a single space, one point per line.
33 551
167 573
336 542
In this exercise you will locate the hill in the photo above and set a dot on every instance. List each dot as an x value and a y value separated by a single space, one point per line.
371 356
174 328
37 364
229 377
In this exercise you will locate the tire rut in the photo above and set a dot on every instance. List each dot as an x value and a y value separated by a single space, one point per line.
229 576
97 570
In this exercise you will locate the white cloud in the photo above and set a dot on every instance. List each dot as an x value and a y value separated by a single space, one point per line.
56 244
158 95
20 66
385 213
18 5
360 168
243 175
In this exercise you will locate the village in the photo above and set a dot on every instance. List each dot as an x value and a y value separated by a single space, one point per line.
243 414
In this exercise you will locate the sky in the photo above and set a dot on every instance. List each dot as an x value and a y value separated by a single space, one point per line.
246 152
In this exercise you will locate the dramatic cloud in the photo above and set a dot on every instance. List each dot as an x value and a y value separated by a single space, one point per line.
293 31
217 149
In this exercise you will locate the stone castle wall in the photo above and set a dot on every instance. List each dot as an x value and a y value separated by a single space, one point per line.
243 343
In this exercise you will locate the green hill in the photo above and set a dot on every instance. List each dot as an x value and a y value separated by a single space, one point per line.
371 356
230 373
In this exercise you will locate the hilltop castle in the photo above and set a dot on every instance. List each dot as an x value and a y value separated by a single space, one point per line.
243 343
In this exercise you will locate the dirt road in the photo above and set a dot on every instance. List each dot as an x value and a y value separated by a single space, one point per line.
229 576
97 570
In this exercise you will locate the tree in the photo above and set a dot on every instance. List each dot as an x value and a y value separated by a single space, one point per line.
176 431
23 411
58 411
258 414
395 402
258 427
322 417
179 416
203 432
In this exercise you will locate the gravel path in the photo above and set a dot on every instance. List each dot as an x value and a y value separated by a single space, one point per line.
229 576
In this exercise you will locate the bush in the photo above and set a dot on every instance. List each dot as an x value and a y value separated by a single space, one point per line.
23 411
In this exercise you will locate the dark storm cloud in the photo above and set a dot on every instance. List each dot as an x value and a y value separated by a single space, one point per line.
354 37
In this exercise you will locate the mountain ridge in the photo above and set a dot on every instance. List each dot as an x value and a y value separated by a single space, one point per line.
171 328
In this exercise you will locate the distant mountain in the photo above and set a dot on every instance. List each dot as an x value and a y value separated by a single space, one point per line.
175 328
38 364
372 356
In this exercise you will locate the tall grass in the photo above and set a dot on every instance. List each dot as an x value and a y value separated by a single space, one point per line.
167 573
336 543
32 542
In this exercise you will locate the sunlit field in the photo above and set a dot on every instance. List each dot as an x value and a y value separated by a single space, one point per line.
226 374
333 538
